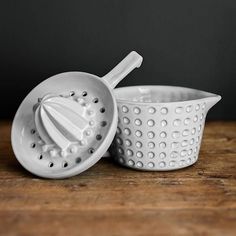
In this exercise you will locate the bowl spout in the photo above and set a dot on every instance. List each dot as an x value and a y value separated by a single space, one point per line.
212 100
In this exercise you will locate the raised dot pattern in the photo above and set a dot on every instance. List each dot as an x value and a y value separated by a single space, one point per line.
159 138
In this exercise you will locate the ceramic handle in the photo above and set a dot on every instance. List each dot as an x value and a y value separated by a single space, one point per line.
131 61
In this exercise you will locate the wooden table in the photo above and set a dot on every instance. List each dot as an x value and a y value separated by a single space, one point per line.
111 200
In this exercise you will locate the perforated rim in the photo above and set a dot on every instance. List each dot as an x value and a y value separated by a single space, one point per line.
93 157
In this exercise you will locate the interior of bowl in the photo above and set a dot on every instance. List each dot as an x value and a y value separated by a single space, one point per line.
160 94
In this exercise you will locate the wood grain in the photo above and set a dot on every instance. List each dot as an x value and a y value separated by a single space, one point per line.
112 200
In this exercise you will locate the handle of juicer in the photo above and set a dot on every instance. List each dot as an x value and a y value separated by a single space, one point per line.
131 61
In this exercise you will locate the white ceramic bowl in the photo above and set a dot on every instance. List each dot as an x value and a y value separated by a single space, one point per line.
160 127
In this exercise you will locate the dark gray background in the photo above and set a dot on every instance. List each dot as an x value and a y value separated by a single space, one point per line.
187 43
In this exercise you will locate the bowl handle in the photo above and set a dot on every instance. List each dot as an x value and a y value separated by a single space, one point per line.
131 61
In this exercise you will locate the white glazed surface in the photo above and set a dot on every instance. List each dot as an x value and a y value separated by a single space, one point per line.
27 143
160 127
47 137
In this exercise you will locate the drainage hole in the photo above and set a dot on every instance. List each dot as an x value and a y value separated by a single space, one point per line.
72 93
91 150
32 131
99 137
102 110
103 123
84 94
65 164
33 145
78 160
50 164
40 157
95 100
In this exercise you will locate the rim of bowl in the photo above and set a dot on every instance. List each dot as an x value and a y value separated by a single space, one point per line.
207 96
